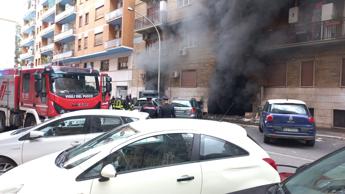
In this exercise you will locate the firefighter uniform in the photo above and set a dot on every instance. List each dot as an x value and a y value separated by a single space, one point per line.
118 105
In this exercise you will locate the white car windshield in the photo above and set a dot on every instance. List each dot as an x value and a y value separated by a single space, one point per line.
111 136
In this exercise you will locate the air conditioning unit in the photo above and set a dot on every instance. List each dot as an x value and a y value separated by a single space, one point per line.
328 12
293 15
175 74
183 51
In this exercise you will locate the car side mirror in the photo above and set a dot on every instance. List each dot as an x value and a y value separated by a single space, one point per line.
107 172
35 135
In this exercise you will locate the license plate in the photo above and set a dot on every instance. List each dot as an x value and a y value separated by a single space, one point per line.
290 130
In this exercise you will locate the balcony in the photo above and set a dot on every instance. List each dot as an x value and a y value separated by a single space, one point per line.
309 34
66 16
43 2
30 13
48 31
49 15
64 2
48 49
29 41
114 17
66 36
28 28
142 24
26 56
112 43
63 55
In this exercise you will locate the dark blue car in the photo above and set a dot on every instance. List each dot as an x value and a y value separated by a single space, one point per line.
287 119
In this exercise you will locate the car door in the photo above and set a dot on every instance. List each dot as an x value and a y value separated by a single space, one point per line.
225 166
157 164
101 124
58 135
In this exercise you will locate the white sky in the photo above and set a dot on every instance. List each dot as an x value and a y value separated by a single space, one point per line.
14 10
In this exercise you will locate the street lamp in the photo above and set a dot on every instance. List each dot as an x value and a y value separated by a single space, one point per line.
159 47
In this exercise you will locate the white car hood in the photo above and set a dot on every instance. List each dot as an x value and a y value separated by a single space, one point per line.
38 176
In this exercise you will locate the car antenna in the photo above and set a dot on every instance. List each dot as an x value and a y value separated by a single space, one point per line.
227 111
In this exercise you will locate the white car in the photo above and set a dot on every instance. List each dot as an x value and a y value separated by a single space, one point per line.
62 132
156 156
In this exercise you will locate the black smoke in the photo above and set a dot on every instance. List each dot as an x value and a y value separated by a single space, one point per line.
238 27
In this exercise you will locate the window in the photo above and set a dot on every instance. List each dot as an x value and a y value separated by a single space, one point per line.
183 3
276 75
287 108
343 73
86 18
122 63
152 152
104 65
79 44
214 148
188 79
339 118
99 39
99 13
69 126
86 39
80 21
26 83
307 74
103 124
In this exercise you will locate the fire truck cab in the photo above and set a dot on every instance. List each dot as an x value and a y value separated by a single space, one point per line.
29 96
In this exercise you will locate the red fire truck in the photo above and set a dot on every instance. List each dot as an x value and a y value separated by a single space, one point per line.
29 96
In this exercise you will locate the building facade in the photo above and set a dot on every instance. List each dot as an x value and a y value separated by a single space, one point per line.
307 61
94 34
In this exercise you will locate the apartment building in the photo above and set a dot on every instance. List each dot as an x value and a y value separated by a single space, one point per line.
28 33
186 64
94 34
307 59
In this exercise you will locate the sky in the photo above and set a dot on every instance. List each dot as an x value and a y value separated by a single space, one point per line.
13 10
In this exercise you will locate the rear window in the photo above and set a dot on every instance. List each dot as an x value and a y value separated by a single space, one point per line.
299 109
181 103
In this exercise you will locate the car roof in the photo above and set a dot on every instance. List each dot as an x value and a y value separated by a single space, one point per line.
145 98
282 101
106 112
157 125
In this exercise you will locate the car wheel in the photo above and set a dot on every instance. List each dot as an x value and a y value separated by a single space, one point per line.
29 121
310 143
2 122
6 165
267 139
260 129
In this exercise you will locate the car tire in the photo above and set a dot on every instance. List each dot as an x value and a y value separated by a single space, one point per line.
6 165
2 122
260 129
29 121
310 143
267 140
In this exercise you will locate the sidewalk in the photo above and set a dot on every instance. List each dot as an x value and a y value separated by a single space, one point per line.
321 132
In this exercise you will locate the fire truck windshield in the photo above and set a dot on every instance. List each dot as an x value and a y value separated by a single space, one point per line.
68 85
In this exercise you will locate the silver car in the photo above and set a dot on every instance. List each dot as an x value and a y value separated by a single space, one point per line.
187 108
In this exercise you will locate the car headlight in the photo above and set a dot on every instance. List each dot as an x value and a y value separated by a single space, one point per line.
12 189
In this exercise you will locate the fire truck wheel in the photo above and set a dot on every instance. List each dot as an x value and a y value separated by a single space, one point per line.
29 121
2 122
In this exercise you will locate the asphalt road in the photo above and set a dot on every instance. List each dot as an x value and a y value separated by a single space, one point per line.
293 152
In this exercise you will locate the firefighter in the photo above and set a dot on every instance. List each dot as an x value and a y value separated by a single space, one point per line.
166 110
112 103
118 105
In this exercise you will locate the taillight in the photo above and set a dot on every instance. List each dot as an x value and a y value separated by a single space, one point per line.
271 162
269 118
311 120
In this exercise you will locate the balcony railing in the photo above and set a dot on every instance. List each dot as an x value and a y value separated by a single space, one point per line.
43 2
30 13
112 43
27 55
64 2
64 35
63 55
142 22
48 13
27 41
310 32
116 14
68 12
27 28
48 30
47 48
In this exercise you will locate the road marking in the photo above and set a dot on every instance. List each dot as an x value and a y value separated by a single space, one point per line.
289 156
